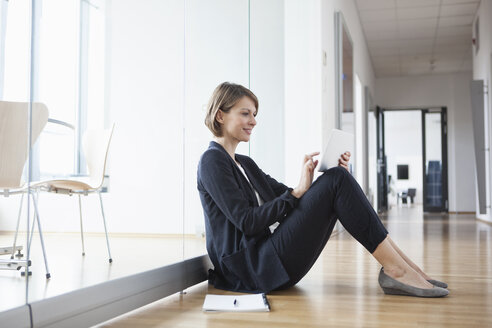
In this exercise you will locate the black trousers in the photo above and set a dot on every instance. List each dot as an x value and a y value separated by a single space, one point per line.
303 234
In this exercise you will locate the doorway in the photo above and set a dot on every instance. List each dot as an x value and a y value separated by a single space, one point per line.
412 158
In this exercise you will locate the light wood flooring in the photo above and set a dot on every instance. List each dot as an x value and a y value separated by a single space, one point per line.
341 290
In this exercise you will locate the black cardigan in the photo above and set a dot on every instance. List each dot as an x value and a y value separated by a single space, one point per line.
237 230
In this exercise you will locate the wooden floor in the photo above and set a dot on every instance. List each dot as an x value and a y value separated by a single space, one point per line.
342 290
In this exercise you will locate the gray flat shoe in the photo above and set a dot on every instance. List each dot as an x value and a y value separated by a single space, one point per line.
391 286
438 283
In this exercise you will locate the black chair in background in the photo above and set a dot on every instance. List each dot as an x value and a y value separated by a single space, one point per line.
411 193
404 195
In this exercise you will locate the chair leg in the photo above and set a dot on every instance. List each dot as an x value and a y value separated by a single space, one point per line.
105 229
81 226
17 228
31 233
36 213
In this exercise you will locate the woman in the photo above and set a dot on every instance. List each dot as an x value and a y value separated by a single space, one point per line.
263 235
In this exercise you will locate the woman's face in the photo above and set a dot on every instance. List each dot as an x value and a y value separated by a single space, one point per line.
238 123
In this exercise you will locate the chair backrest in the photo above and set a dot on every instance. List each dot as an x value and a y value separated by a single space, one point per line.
13 138
412 192
96 148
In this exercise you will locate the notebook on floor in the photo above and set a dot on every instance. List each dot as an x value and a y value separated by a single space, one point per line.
236 303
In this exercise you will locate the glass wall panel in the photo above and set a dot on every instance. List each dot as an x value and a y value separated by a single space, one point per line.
57 82
216 51
15 29
17 49
103 64
149 71
267 78
96 69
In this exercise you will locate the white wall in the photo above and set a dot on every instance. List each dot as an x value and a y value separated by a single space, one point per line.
482 71
452 91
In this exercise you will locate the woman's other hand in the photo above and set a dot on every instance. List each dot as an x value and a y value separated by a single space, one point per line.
307 175
344 159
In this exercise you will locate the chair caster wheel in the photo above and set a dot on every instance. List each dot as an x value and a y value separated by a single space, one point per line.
23 273
110 260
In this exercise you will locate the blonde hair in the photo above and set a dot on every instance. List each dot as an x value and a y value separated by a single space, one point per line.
225 96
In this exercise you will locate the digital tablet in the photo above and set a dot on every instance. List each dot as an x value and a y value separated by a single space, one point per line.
338 143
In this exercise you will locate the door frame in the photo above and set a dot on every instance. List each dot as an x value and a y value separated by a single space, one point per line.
382 173
444 154
444 164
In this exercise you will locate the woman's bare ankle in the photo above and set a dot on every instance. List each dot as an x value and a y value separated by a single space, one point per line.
409 277
394 271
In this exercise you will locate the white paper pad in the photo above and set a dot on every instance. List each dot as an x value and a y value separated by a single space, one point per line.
244 303
338 143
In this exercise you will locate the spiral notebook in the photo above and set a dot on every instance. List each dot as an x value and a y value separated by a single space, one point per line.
236 303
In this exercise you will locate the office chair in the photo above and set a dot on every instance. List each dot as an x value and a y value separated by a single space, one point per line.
13 155
411 193
96 147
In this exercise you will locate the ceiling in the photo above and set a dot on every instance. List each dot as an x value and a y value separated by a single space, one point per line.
414 37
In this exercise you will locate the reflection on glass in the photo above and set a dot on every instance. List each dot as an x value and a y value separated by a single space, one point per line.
433 165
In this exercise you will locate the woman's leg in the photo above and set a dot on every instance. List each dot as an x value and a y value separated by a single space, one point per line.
361 221
396 264
397 267
409 262
301 237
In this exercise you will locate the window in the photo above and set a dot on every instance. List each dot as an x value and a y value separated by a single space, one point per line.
15 54
56 84
69 74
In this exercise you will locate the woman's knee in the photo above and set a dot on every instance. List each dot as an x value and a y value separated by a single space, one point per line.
330 180
336 172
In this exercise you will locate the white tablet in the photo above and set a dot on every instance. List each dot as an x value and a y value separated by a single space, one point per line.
338 143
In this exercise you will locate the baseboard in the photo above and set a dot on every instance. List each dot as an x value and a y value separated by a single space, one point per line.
484 221
463 212
18 317
111 234
95 304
